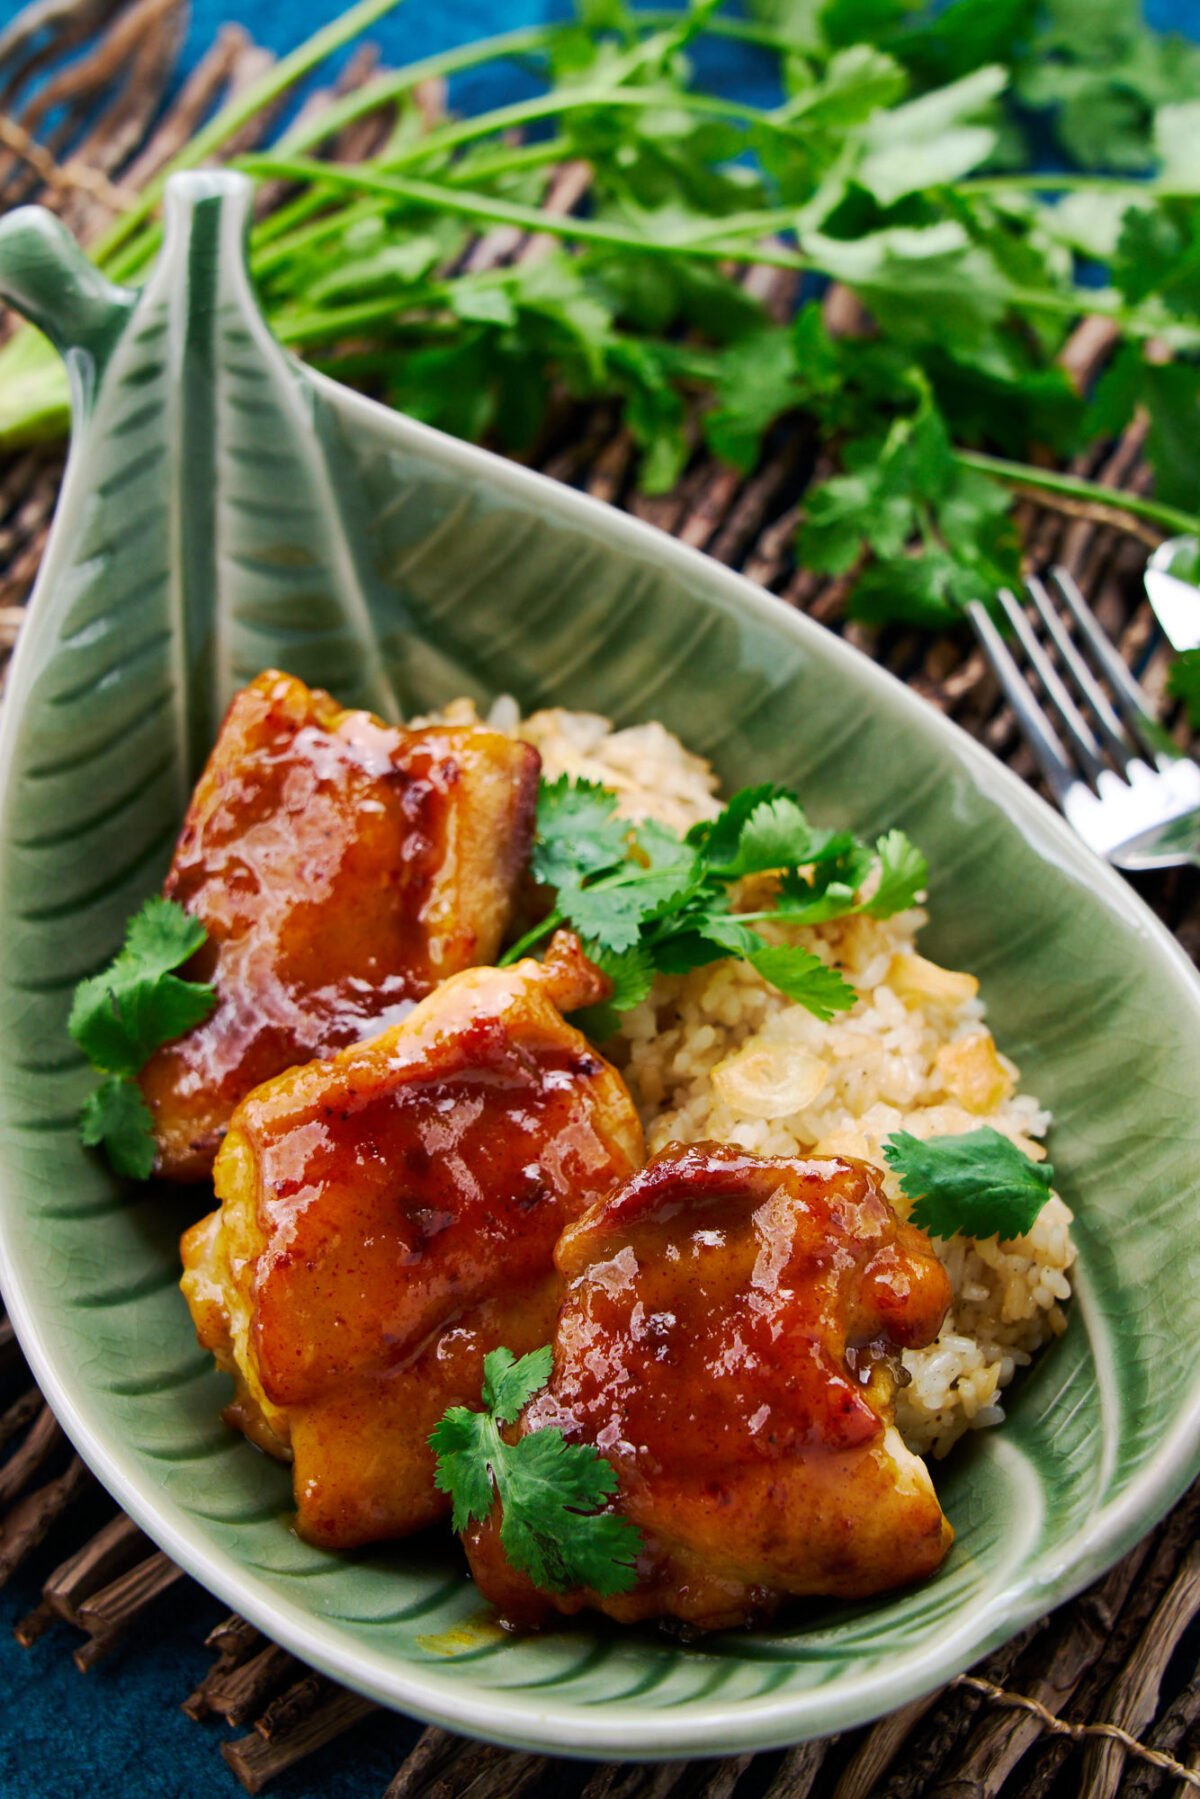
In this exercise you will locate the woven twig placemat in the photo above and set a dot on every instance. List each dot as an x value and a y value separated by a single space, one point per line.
1099 1698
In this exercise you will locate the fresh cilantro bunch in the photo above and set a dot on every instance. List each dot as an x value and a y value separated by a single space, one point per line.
119 1018
645 901
549 1490
979 1183
899 163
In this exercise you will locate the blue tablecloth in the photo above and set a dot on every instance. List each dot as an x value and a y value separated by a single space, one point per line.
118 1733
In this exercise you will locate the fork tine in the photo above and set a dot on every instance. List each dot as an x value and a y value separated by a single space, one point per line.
1121 747
1032 717
1130 697
1079 732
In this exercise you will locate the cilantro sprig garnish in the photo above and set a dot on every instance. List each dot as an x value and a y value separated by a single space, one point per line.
645 901
120 1017
979 1183
549 1490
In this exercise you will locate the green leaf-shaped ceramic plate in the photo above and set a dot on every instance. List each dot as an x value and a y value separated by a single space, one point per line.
224 510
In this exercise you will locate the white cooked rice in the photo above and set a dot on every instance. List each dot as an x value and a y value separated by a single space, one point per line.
708 1053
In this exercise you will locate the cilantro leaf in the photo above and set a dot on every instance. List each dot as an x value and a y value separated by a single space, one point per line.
776 834
631 972
795 971
805 978
610 917
903 875
1170 395
928 141
717 838
689 948
578 830
840 865
896 490
546 1534
461 1441
658 846
612 910
549 1490
979 1184
119 1018
667 907
116 1117
509 1383
756 382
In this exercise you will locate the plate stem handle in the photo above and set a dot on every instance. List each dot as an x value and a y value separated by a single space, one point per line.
47 277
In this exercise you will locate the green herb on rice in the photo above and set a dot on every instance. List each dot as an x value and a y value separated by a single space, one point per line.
979 1183
645 901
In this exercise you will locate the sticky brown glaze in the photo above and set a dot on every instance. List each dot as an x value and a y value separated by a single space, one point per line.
389 1216
728 1342
341 867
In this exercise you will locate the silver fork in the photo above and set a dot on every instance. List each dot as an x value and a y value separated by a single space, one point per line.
1130 794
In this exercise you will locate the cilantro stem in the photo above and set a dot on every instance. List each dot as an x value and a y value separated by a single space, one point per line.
492 210
1068 182
514 159
1022 474
549 106
713 244
504 46
531 939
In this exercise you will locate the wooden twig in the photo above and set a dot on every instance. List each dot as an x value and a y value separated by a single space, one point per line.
286 1712
130 62
20 1413
108 1614
1133 1699
240 1692
433 1748
256 1761
606 476
1000 1742
195 100
1045 1719
878 1749
235 1642
748 515
649 1781
61 178
937 1736
120 127
500 1774
43 34
105 1556
723 1777
43 1438
10 1350
799 1769
29 1521
1180 1723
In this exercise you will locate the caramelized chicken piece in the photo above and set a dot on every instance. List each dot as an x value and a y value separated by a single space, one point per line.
341 867
389 1216
728 1342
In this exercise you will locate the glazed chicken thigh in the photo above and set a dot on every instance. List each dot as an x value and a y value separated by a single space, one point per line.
390 1215
341 868
729 1343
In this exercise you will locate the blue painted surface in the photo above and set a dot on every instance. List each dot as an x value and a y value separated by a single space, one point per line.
117 1732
